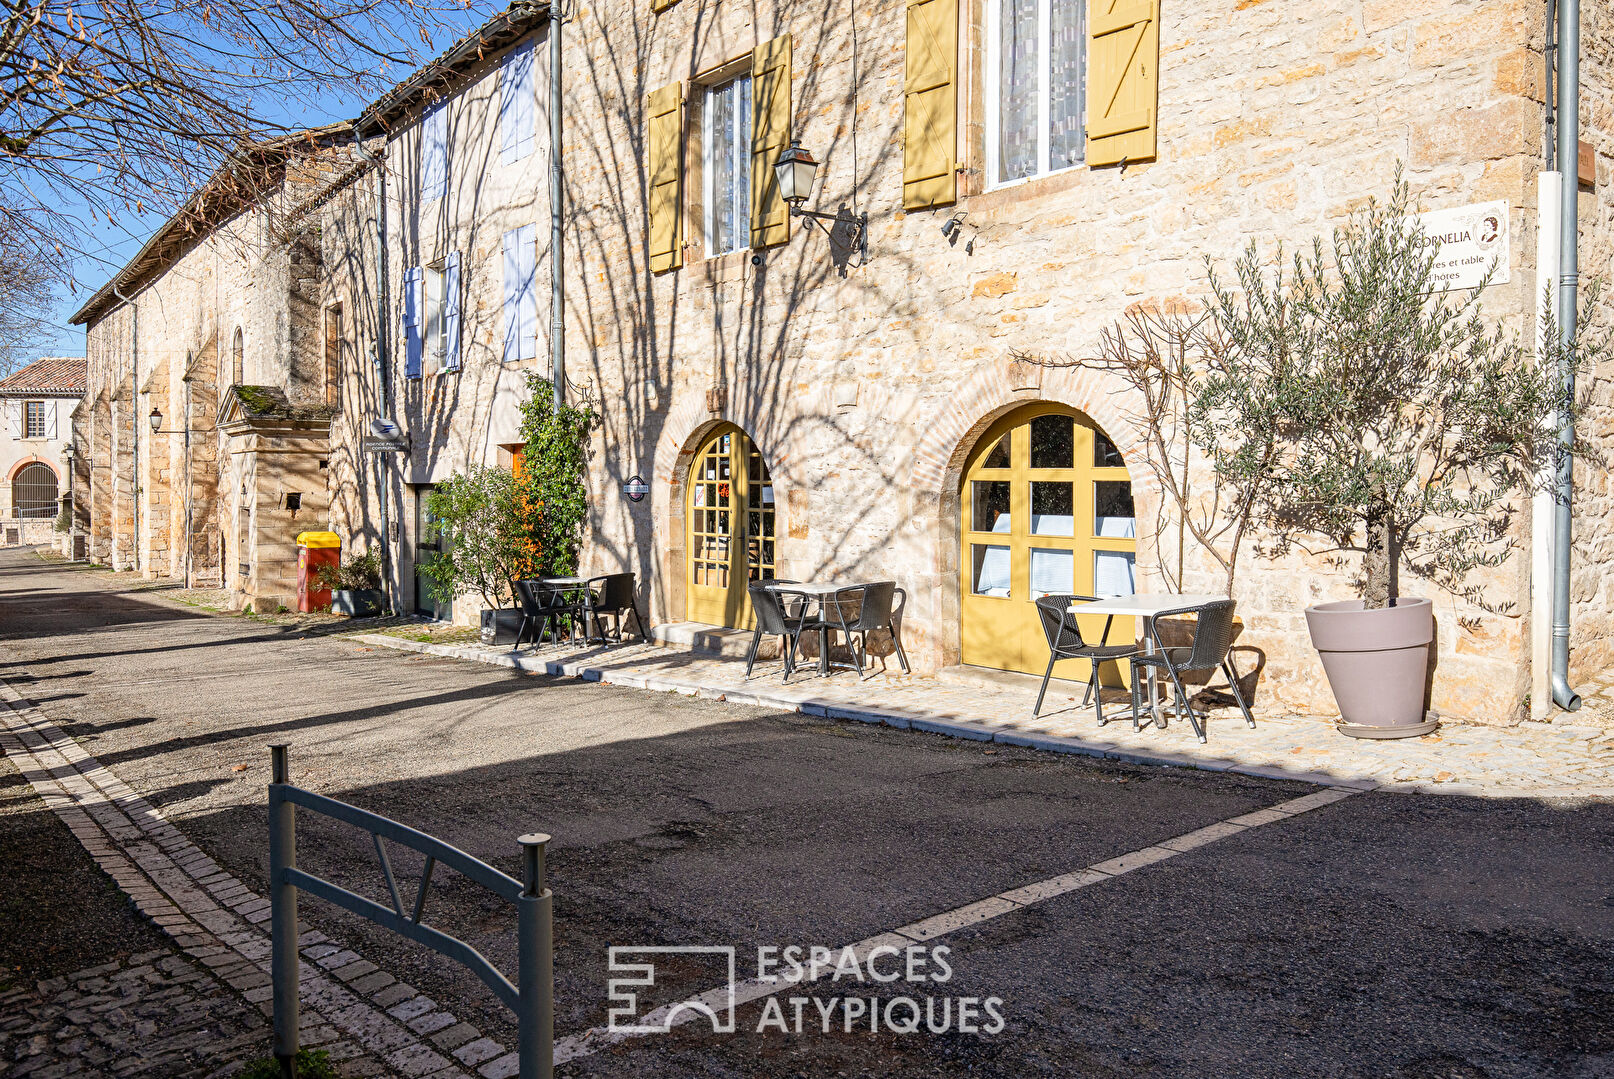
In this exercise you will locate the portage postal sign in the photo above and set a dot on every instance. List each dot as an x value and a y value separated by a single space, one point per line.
1469 241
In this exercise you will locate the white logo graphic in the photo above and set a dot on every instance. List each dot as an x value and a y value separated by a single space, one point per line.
623 1017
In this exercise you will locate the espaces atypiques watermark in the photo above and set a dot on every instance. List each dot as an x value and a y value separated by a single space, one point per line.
921 1010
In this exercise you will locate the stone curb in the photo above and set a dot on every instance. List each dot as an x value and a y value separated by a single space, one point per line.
900 718
219 921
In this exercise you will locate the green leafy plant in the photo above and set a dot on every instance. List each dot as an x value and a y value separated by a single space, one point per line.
311 1064
356 574
551 489
1371 412
485 536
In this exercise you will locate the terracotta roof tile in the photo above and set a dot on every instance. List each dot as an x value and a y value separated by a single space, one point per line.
56 376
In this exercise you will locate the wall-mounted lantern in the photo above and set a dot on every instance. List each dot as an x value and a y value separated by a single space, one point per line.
796 169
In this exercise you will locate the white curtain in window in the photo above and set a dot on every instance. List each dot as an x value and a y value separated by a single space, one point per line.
1067 83
728 166
1017 89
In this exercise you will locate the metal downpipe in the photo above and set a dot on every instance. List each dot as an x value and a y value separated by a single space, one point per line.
1568 156
557 233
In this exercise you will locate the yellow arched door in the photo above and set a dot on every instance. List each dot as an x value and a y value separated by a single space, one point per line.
729 514
1046 508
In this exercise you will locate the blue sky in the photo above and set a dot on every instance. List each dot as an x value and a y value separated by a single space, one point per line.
107 247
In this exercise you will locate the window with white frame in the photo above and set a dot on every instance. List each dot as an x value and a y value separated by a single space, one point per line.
33 420
1036 87
726 165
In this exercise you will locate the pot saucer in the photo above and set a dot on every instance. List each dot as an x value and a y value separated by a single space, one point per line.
1366 730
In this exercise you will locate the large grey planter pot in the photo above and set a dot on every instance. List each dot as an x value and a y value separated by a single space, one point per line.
501 626
357 602
1377 663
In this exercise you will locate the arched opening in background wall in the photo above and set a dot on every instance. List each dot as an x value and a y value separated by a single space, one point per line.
34 490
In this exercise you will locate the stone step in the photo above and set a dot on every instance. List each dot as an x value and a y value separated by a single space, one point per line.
708 639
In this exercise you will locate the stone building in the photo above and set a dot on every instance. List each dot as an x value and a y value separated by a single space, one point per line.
447 280
213 377
1029 169
896 388
37 402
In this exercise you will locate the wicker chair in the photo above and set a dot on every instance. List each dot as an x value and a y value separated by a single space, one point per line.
1210 650
777 616
542 608
611 595
1065 642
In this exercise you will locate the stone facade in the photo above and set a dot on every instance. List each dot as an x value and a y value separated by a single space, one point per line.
46 391
865 382
220 308
865 386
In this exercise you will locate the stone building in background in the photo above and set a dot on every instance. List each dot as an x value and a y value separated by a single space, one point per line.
210 384
37 404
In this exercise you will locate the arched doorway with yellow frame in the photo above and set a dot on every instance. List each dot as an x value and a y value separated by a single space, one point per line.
729 515
1045 508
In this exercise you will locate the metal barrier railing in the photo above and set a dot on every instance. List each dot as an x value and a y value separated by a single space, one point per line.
531 998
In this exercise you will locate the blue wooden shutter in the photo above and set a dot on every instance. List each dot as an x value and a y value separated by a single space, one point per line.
516 100
434 154
529 291
451 312
411 322
512 295
520 294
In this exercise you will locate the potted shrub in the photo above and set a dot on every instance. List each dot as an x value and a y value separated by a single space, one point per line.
1405 429
355 586
486 537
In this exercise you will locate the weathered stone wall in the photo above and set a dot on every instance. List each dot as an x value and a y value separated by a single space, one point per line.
258 274
865 384
865 390
453 417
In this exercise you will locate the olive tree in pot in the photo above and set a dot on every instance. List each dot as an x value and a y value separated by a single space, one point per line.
355 586
1406 428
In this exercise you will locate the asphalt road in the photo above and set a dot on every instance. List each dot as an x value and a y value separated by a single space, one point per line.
1386 935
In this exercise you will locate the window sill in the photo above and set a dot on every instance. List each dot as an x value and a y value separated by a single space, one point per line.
1016 191
720 268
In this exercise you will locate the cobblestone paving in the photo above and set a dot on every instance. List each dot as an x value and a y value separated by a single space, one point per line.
1531 759
366 1019
157 1015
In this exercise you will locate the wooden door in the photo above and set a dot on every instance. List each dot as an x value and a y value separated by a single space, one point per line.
729 514
1046 508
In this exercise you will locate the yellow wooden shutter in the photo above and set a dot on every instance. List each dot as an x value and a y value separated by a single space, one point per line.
770 134
665 142
930 105
1123 62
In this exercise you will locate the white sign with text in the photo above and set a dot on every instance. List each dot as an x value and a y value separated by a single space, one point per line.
1471 239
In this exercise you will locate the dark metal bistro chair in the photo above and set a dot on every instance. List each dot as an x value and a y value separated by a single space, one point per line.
611 594
778 614
861 610
542 608
1210 650
1065 642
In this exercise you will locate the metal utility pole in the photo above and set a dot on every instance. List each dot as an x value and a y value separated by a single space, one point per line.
1567 115
557 235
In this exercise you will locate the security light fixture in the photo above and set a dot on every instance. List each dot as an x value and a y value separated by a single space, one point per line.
951 226
795 171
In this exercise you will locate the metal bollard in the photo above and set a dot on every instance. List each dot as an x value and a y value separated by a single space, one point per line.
534 926
283 914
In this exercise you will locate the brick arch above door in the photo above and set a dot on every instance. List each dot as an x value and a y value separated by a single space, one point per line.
952 427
